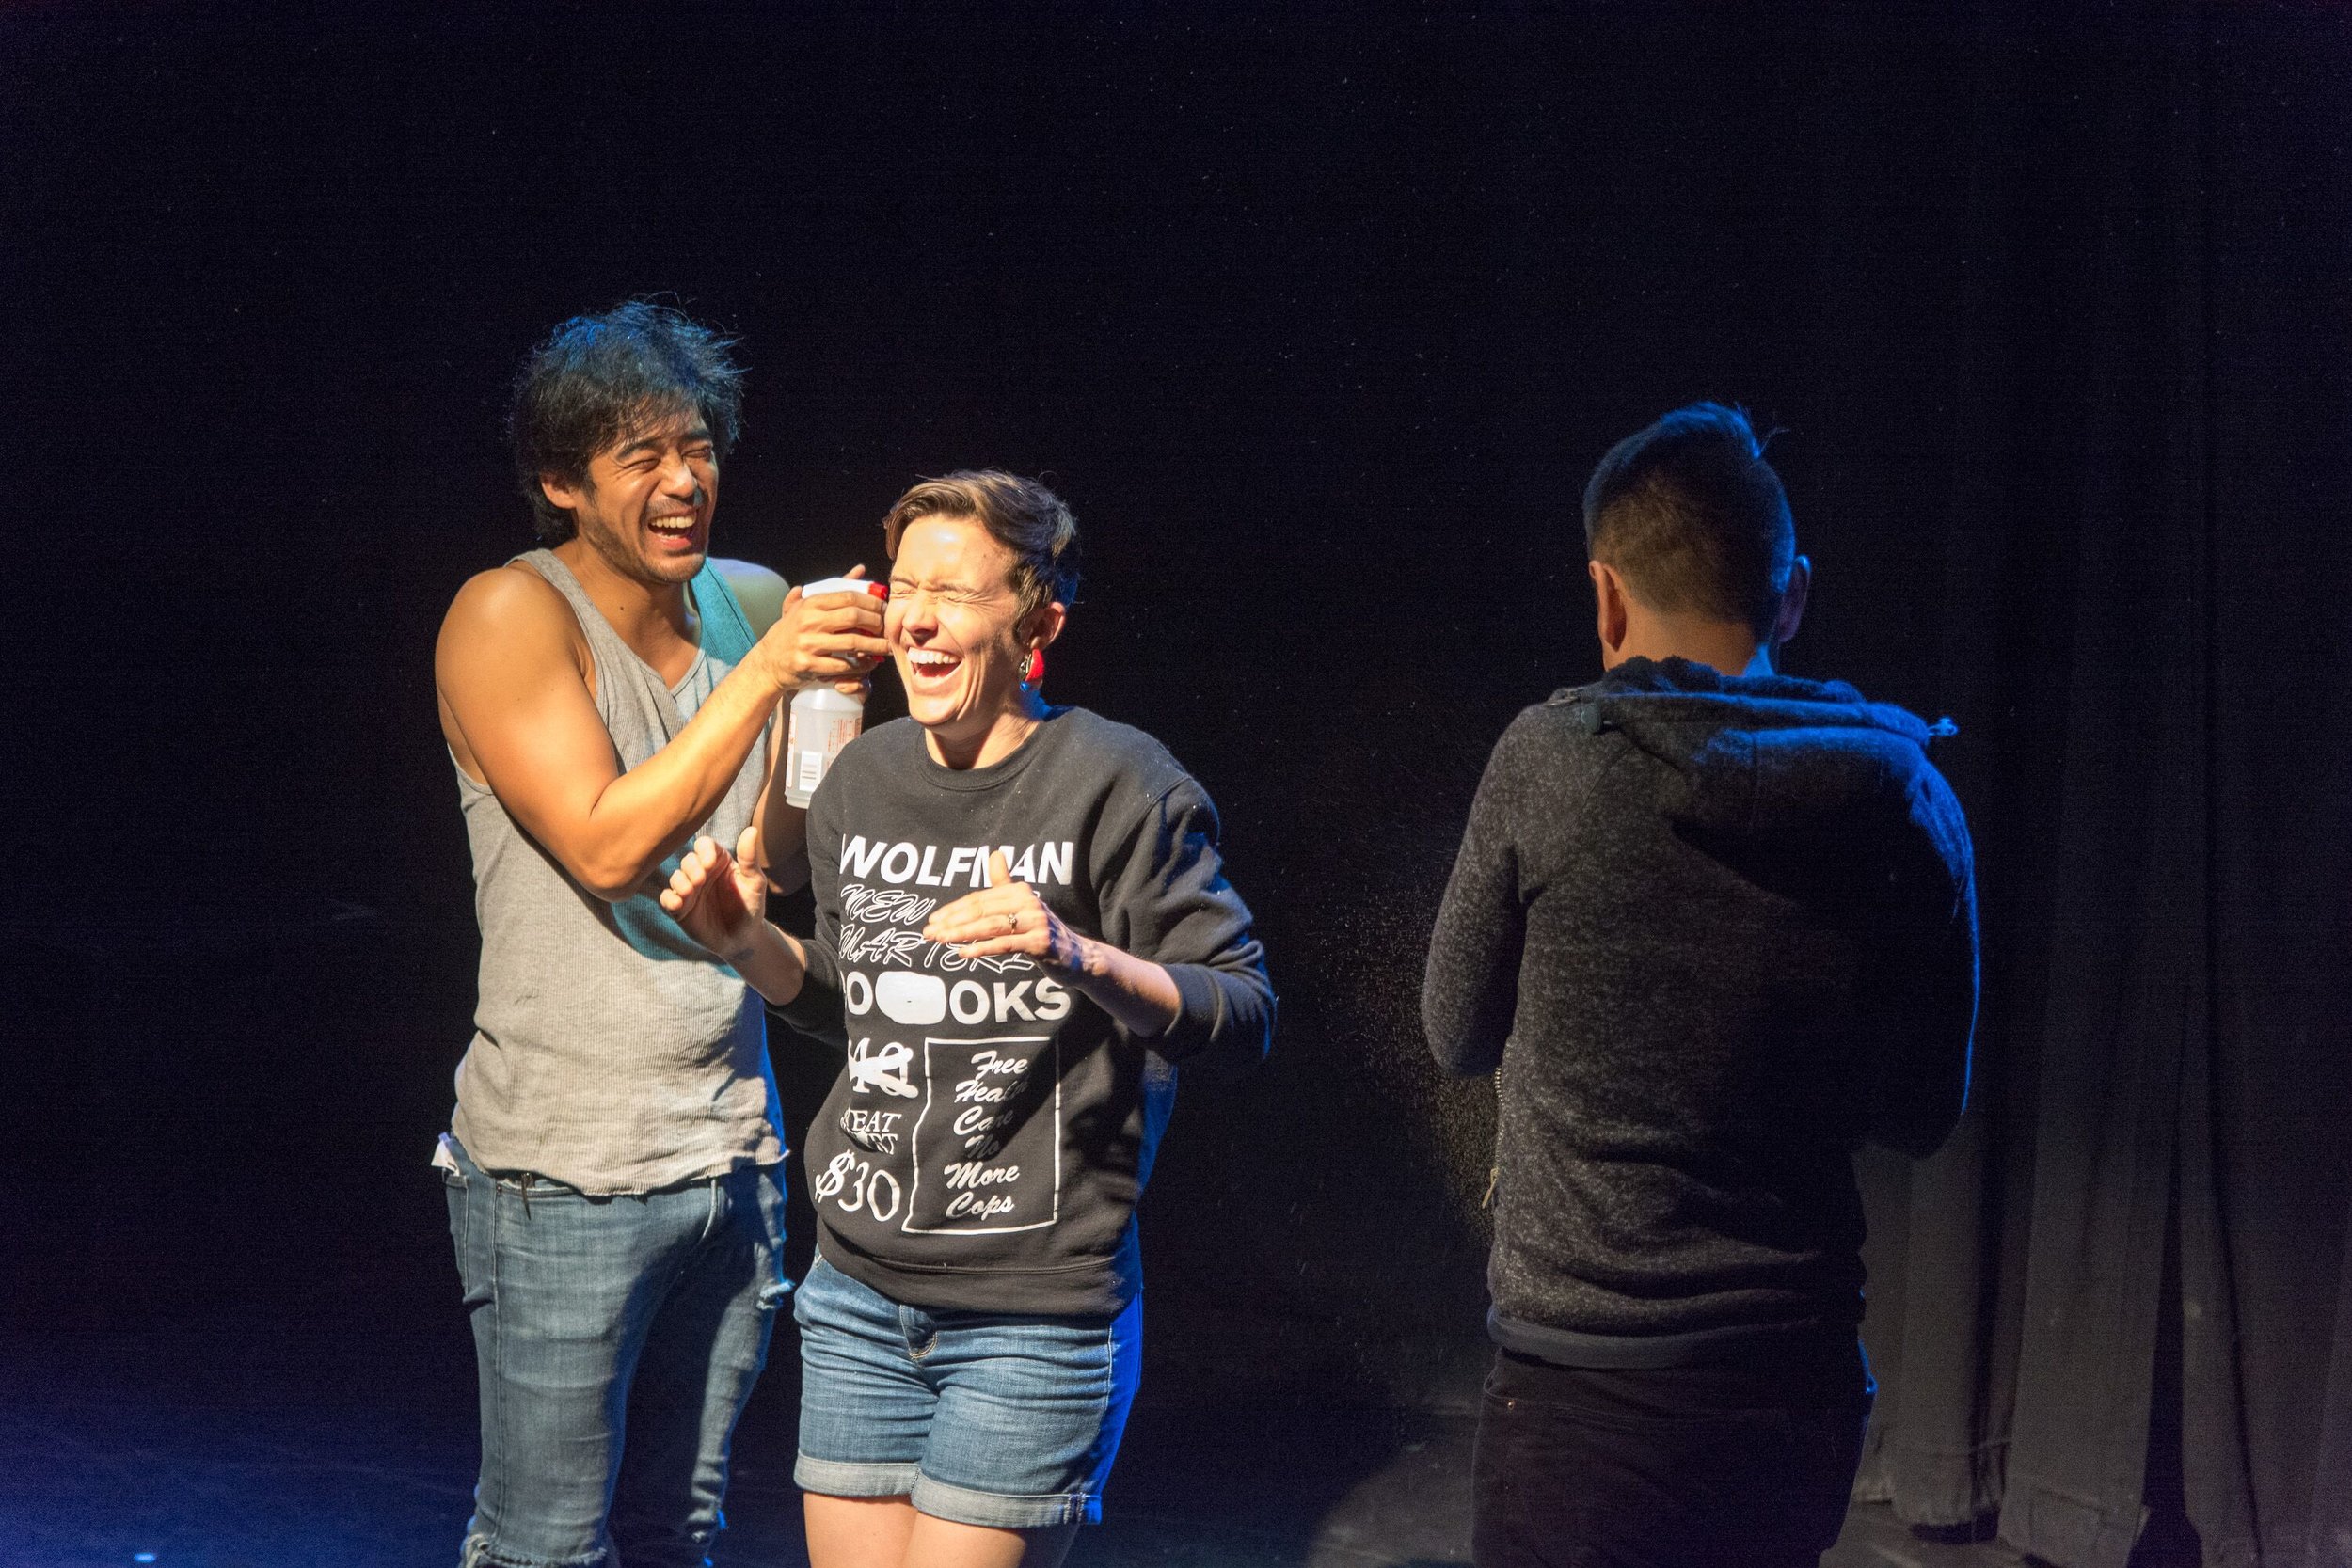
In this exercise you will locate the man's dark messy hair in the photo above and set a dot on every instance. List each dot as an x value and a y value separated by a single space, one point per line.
600 379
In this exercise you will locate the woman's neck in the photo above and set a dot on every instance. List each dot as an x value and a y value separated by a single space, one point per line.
993 745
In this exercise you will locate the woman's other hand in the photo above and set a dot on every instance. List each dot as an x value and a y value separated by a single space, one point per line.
1006 917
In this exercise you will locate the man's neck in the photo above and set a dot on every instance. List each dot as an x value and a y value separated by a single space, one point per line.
1728 649
654 620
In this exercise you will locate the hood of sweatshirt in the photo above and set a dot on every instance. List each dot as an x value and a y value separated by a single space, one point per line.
1784 777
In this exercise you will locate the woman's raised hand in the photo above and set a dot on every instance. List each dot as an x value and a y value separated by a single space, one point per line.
718 897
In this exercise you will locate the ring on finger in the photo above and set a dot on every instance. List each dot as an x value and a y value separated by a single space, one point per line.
1012 924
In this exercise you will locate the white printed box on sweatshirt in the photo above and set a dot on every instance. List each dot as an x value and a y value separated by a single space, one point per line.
983 1142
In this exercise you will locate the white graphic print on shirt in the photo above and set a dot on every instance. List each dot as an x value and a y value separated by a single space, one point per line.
979 1150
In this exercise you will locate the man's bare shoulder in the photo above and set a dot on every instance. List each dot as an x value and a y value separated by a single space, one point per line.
504 610
759 590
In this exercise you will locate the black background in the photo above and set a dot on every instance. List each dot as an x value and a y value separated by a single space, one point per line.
1318 317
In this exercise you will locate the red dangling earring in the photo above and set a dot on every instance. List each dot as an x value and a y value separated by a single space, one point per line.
1034 674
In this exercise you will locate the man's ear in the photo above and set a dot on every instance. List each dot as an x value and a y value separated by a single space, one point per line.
1609 610
560 492
1792 602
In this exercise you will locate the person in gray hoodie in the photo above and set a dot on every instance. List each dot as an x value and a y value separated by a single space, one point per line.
1710 927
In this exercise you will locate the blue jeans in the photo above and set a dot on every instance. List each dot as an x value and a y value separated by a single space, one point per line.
983 1418
647 1313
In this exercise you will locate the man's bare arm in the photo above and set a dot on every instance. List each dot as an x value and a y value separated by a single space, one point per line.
515 704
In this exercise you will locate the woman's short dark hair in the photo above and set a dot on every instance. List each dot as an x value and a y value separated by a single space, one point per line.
597 379
1029 520
1694 519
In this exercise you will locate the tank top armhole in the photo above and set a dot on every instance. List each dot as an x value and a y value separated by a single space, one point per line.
575 599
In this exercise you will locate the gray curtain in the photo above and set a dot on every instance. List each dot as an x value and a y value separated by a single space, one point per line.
2157 406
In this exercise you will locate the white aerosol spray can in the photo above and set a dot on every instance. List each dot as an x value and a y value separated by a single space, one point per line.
823 720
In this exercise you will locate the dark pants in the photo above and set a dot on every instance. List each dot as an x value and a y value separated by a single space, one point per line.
1742 1463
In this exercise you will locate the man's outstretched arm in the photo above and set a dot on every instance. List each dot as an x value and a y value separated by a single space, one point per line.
516 702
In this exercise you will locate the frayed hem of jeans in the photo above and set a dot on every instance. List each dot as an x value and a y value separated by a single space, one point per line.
480 1553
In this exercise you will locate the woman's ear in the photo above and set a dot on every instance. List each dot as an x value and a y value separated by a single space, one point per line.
1043 624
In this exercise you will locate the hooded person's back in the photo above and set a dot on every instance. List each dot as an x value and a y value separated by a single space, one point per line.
1715 931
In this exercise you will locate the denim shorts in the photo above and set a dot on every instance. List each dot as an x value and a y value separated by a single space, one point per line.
982 1418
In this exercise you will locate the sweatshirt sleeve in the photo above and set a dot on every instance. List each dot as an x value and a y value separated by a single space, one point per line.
1918 1072
1471 985
1165 898
817 1010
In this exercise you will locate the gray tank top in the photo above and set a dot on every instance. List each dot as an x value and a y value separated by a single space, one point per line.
610 1050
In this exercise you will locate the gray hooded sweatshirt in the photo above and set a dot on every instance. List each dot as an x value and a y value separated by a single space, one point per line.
1714 932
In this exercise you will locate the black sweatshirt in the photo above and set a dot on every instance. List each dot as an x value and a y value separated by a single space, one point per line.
1715 933
985 1147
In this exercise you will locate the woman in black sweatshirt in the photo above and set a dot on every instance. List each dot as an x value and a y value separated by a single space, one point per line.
1023 927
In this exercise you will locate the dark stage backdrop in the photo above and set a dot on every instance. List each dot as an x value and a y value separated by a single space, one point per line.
1319 319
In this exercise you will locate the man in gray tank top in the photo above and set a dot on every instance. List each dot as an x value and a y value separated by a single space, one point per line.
610 1168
